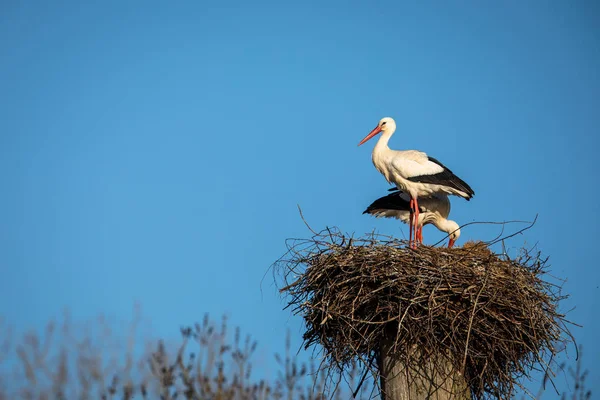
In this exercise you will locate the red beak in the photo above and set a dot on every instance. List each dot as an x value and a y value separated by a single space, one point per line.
451 243
370 135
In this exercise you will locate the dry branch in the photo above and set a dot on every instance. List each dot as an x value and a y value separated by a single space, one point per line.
491 318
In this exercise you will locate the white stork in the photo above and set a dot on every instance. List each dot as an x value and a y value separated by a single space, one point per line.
432 210
413 171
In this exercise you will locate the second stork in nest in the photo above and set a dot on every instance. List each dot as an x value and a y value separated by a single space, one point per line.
432 210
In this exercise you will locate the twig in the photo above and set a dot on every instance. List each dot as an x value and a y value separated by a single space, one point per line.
464 363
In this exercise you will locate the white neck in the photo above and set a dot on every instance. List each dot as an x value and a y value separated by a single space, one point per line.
382 143
445 225
381 152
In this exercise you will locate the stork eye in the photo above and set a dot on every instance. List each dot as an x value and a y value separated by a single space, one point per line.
383 123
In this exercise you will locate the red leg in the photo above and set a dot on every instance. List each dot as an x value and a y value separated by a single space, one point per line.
410 224
416 204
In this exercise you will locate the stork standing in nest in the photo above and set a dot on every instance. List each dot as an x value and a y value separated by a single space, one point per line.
413 172
432 210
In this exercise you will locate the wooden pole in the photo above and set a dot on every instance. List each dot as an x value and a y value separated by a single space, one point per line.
417 382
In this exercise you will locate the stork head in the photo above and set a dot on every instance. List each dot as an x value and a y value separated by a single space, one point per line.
385 125
454 230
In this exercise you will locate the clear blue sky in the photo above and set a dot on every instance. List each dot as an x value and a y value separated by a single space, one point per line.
155 151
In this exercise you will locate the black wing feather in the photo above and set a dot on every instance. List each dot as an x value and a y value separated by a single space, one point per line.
445 178
390 202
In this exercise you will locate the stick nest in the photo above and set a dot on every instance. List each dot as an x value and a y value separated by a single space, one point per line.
492 318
